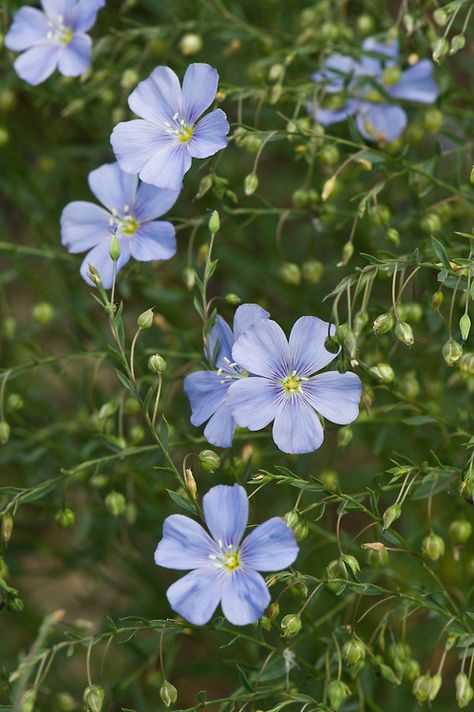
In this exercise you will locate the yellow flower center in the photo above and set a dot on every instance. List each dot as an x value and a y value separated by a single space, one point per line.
231 560
185 134
292 383
66 36
129 225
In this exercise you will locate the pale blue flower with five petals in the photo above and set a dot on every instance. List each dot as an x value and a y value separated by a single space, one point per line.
53 38
207 390
161 144
131 211
372 88
285 389
223 565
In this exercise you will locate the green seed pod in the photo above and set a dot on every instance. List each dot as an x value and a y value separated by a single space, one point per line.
300 198
460 531
65 702
435 686
214 223
94 698
28 701
329 155
411 669
457 42
129 78
312 271
189 277
290 625
344 436
273 610
404 333
383 323
347 252
411 311
393 236
380 215
250 184
156 364
452 352
145 320
391 514
301 530
437 299
433 120
440 49
252 143
464 691
265 623
115 503
441 17
137 434
338 691
15 402
43 313
377 558
383 373
430 223
4 432
465 326
421 688
329 479
209 460
290 273
291 519
205 185
65 517
360 321
409 385
432 547
353 651
168 693
347 561
190 43
467 364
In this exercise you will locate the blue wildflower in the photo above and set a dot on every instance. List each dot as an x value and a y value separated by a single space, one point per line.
372 86
224 569
160 145
285 390
55 38
130 213
207 390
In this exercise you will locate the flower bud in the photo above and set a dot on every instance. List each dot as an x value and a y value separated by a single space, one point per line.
290 273
214 222
432 547
209 460
421 688
28 701
328 189
382 372
276 72
467 364
145 320
329 479
338 691
15 401
290 625
360 321
440 49
190 43
232 299
115 503
250 184
189 277
168 693
465 326
441 17
312 271
383 323
300 198
65 517
435 685
65 702
433 120
460 531
344 436
404 333
291 519
329 155
43 313
464 691
430 223
391 514
114 247
7 528
301 530
380 215
347 252
157 364
452 352
137 434
457 42
437 299
347 561
4 432
94 698
411 669
353 651
190 482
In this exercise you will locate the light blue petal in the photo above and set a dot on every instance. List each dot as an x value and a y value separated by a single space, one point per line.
263 350
99 257
113 187
245 597
199 91
226 511
209 135
417 83
336 72
332 116
185 544
157 98
381 123
246 315
297 428
58 8
38 63
167 167
220 428
270 547
85 14
76 56
135 143
221 340
384 55
83 225
206 393
307 351
152 202
253 402
153 241
335 395
29 27
196 596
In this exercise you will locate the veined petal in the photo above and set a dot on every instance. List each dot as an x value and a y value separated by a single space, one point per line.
29 27
307 351
206 392
38 63
85 14
335 395
381 123
185 544
269 547
152 202
263 350
336 72
75 57
332 116
196 596
83 225
220 428
157 98
199 90
253 402
153 241
135 143
57 8
113 187
297 428
417 83
383 55
166 168
99 257
246 315
245 597
209 135
221 340
226 511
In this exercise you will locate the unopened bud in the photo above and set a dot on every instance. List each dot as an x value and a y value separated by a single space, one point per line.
190 43
290 273
452 352
291 519
338 691
377 554
232 299
383 323
382 372
7 528
301 530
189 277
440 49
433 119
214 222
168 693
430 223
391 514
115 503
114 247
460 531
250 183
432 547
435 686
404 333
465 326
329 479
437 299
15 401
441 17
312 271
43 313
300 198
4 432
344 436
209 460
190 482
360 321
290 625
94 698
65 517
353 651
156 364
328 189
421 688
28 701
467 364
145 320
464 691
347 252
457 42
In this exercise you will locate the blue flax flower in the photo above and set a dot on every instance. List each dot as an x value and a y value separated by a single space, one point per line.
285 390
53 38
160 145
207 390
371 88
224 569
130 212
